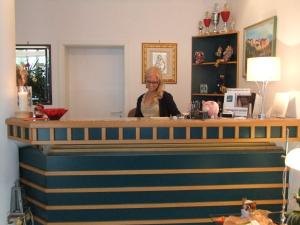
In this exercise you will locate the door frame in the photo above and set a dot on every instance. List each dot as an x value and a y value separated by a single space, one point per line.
63 74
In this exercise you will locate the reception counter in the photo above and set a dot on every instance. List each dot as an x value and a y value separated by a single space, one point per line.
149 171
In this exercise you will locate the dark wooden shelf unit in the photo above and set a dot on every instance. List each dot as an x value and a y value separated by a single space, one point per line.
207 72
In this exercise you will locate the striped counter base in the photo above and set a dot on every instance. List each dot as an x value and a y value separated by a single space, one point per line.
149 184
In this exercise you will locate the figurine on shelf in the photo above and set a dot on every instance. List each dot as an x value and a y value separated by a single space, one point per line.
226 56
227 53
199 57
39 111
221 84
219 52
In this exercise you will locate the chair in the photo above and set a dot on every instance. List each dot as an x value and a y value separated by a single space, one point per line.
131 113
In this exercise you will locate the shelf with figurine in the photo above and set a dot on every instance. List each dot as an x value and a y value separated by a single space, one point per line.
214 34
214 55
214 66
213 63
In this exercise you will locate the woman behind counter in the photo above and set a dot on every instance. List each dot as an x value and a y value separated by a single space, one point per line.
156 101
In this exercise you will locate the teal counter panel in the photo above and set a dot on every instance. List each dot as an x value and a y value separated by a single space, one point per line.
276 132
212 132
43 134
129 133
163 133
196 132
179 132
152 196
228 132
95 133
154 182
260 132
60 134
180 159
112 133
77 134
139 213
146 133
170 180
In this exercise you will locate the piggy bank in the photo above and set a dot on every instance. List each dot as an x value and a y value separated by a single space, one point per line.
211 107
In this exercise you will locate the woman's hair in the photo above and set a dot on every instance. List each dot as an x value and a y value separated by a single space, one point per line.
153 70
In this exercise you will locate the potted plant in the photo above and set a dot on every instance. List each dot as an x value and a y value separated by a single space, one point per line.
294 217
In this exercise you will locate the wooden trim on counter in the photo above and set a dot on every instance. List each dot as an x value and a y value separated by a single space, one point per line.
147 172
143 189
152 130
148 205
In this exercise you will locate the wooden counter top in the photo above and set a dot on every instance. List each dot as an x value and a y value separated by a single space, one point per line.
151 130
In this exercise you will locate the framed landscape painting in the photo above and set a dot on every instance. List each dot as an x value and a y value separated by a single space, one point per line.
162 55
259 40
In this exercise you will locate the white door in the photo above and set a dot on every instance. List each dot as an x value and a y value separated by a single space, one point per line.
95 82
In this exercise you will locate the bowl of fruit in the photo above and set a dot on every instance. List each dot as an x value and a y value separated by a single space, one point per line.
54 113
51 113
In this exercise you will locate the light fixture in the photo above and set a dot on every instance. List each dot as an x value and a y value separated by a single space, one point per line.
292 159
262 70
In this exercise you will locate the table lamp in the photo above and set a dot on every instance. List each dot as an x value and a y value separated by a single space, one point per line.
292 160
262 70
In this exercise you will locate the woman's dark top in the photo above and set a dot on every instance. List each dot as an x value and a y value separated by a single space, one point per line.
167 106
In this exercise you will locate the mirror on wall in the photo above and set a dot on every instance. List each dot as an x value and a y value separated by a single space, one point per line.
33 68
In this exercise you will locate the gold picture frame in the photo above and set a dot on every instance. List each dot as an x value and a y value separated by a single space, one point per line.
163 55
259 40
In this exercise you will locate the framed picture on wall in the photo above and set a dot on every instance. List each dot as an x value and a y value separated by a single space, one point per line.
259 40
162 55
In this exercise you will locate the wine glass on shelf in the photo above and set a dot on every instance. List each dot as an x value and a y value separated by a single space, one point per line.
200 28
232 25
207 21
215 17
225 13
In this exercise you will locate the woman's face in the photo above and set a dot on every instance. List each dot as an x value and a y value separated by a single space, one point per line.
152 82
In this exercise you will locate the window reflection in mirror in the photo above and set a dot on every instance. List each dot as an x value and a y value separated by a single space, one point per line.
33 68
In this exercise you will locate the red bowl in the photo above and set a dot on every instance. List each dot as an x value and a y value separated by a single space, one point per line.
55 113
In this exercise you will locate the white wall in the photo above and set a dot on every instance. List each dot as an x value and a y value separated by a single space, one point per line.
125 21
8 149
250 12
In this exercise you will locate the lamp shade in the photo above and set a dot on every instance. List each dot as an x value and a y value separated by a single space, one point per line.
292 159
263 69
